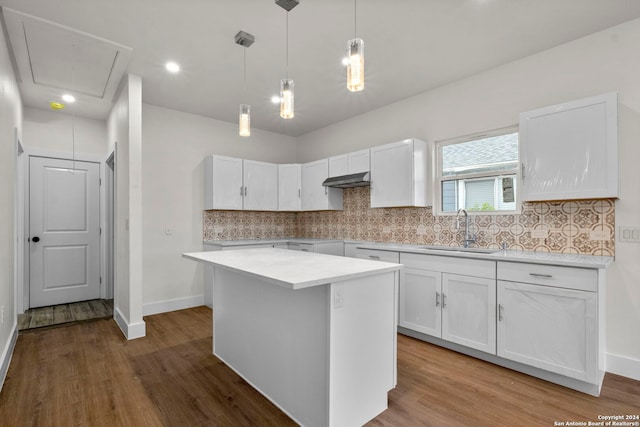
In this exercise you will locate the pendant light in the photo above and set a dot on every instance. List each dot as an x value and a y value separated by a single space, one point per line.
245 40
355 58
287 85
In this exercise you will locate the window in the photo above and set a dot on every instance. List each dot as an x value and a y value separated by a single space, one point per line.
479 174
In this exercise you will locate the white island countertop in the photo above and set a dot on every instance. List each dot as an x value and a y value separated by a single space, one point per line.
293 269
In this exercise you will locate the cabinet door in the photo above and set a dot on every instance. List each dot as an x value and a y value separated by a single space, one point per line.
260 186
338 165
289 187
223 183
469 311
314 195
359 161
549 328
420 301
569 151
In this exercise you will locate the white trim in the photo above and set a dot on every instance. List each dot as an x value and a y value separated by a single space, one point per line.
622 365
151 308
7 353
64 155
130 331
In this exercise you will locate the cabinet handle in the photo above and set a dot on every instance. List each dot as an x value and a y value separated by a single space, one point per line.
298 193
374 257
522 171
545 276
500 308
325 190
444 300
241 188
437 299
245 191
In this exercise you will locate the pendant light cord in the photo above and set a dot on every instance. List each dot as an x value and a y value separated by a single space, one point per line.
355 20
244 77
73 113
287 61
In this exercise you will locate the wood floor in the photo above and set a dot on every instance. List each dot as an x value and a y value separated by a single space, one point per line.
65 313
87 374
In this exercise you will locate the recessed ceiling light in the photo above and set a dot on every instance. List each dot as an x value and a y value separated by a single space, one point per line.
275 99
68 98
172 67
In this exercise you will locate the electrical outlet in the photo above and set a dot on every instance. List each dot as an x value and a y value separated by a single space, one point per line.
599 235
217 229
386 229
539 234
421 230
168 230
314 229
338 298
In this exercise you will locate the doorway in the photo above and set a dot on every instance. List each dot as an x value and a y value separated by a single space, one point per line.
64 231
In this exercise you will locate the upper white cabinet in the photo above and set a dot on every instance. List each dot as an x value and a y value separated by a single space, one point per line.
237 184
315 196
359 161
289 187
260 186
570 150
223 183
354 162
400 175
339 165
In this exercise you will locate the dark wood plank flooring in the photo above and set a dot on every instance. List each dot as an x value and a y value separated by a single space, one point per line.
87 374
65 313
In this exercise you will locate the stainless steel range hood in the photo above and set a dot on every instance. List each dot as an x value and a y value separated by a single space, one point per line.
360 179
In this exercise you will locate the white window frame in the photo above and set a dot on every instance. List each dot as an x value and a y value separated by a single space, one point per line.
439 178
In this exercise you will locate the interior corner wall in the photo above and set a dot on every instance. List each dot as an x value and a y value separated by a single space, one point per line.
10 120
125 137
173 151
603 62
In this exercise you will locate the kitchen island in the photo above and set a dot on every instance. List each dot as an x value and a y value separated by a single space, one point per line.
314 333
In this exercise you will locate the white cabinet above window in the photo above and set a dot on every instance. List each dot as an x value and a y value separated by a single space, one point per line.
570 150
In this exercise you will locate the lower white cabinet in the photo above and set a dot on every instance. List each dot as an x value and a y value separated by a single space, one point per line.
454 307
549 327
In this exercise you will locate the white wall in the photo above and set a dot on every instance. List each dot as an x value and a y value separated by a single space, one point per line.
51 131
10 120
173 151
603 62
124 129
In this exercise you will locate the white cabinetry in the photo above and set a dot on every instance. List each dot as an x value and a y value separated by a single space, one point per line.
237 184
548 317
328 248
289 187
400 174
354 162
436 300
378 255
570 150
315 196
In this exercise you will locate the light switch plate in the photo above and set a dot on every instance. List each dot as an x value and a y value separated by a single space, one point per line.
629 234
540 234
600 235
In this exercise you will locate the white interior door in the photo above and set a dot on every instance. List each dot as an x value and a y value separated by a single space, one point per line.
64 217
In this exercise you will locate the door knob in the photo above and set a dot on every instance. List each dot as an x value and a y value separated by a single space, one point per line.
35 239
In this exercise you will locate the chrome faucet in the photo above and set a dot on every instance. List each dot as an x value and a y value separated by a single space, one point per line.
468 239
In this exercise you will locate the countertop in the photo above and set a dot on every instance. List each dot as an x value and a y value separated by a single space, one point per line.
293 269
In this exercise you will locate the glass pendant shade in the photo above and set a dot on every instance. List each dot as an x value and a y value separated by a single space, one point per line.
286 99
245 120
355 65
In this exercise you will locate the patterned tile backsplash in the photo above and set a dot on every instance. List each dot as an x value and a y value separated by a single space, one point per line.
585 226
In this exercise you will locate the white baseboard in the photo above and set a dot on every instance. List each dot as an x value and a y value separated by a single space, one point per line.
7 353
130 330
622 365
151 308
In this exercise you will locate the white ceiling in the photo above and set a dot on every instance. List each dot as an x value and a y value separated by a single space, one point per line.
411 46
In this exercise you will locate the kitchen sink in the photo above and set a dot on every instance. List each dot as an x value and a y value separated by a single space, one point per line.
459 249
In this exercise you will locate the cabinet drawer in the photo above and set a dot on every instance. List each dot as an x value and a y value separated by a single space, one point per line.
305 247
449 264
377 255
584 279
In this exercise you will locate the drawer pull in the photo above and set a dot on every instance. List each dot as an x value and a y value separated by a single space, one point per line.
437 299
374 257
544 276
304 250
